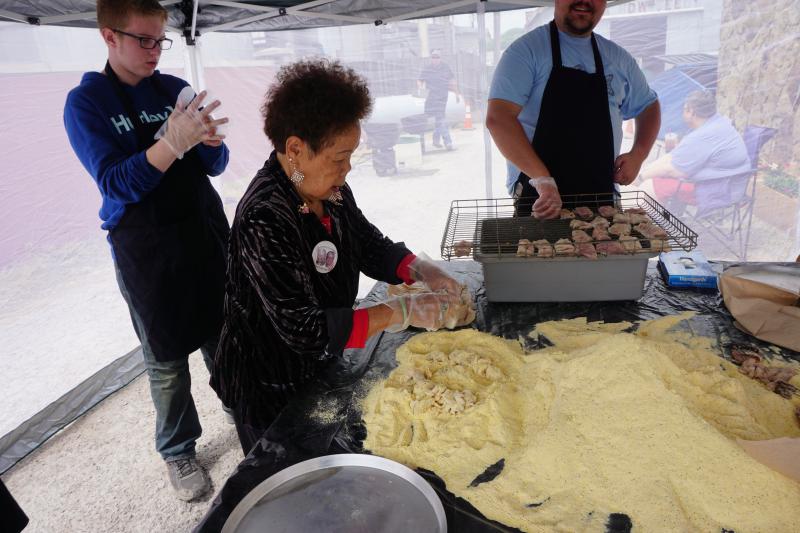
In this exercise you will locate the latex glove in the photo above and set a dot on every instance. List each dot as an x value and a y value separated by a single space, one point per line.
548 205
426 271
429 311
188 125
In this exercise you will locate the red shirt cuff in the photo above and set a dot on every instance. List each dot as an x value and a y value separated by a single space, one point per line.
403 272
358 335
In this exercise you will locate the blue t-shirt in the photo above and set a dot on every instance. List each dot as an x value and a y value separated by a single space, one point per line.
523 71
714 150
103 138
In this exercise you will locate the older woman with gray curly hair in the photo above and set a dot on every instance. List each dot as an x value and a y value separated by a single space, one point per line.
298 244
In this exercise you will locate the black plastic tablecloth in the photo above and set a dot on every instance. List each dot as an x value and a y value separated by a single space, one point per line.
296 435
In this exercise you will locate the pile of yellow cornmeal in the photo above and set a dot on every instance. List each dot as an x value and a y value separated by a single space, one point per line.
605 421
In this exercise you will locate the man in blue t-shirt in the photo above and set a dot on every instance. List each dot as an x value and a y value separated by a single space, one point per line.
556 106
167 230
713 149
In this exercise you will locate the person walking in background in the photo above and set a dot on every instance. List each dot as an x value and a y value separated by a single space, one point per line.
438 79
165 223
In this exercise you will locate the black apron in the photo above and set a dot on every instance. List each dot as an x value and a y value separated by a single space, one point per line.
171 249
573 136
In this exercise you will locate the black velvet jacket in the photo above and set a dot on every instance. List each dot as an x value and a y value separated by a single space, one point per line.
283 319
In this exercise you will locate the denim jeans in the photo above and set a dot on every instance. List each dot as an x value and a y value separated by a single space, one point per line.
177 423
440 130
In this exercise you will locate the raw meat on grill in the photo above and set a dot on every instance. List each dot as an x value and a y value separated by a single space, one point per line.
544 248
651 231
522 247
566 214
631 244
462 248
658 245
607 211
584 212
564 247
579 235
636 218
600 222
580 224
622 218
586 249
610 248
636 211
620 229
601 234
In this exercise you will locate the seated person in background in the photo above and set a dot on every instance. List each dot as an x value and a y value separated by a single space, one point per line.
297 246
713 149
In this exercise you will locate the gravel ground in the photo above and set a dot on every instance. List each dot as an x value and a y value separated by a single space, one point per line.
102 472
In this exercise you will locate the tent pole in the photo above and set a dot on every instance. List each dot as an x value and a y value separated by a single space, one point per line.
193 65
482 92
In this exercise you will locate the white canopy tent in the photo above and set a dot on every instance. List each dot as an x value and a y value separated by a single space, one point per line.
61 304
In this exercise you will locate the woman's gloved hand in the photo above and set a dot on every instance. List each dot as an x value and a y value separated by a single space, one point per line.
548 205
429 311
424 270
188 126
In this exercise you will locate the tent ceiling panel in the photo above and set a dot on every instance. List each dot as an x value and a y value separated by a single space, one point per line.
271 15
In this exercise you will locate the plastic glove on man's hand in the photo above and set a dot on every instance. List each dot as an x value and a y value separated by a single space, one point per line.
188 126
548 205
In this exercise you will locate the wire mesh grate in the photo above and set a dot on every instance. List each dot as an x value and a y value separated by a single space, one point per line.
487 227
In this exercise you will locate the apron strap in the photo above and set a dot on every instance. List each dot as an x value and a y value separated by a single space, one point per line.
598 61
555 49
555 45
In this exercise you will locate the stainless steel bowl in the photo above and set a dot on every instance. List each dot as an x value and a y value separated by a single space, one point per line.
349 493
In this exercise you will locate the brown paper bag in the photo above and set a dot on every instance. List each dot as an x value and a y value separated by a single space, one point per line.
764 301
781 455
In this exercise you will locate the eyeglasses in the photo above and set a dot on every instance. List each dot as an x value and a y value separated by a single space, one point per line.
148 43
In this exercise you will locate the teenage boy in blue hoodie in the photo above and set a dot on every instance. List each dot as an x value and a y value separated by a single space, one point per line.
165 222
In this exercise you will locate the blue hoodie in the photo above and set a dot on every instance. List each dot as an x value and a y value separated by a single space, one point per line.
103 138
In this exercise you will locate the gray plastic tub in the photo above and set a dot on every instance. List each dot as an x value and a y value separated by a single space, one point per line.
564 279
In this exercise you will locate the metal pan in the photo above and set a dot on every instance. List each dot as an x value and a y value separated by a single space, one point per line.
340 493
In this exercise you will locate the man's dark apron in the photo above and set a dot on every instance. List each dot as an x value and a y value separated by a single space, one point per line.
573 136
170 249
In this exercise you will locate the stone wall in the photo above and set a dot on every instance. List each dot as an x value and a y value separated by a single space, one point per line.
759 71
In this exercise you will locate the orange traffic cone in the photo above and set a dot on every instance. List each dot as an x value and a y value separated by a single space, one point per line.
467 118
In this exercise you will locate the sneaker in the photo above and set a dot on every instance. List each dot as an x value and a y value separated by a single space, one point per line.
187 478
450 147
437 144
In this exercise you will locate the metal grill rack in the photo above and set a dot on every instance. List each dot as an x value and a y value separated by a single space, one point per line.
488 228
